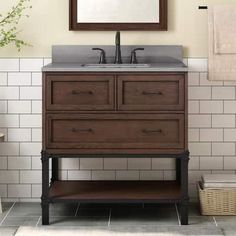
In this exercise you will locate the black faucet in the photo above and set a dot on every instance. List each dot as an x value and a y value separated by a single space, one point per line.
102 55
118 59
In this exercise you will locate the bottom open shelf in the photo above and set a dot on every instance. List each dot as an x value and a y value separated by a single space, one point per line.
122 191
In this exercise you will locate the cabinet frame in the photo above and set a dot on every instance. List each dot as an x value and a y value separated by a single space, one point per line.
160 78
55 154
76 78
160 26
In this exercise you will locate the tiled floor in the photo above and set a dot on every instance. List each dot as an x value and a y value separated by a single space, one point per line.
139 217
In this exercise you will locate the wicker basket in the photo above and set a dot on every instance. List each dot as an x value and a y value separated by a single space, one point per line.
217 201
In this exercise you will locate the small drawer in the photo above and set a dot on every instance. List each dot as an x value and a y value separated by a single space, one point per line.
79 92
162 92
115 131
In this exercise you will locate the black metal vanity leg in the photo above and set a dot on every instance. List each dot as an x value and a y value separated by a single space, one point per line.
45 212
45 188
178 170
55 167
184 188
184 213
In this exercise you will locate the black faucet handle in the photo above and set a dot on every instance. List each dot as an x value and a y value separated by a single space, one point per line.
102 59
134 59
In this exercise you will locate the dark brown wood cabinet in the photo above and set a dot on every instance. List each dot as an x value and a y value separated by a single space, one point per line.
159 92
104 133
115 115
71 92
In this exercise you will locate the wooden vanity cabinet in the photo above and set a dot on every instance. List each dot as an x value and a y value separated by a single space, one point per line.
115 115
71 92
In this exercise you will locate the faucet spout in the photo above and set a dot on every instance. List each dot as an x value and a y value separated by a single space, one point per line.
118 59
118 38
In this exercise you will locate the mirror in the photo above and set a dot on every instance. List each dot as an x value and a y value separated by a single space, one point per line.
118 14
119 11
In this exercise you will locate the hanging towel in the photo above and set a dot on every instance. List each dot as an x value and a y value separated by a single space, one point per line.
222 59
224 29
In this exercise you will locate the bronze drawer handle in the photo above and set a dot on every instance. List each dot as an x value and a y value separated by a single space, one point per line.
152 93
75 92
74 130
147 131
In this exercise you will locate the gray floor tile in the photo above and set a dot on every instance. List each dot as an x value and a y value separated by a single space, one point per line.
229 231
26 209
229 221
170 230
145 216
2 216
78 221
5 208
61 209
8 231
34 209
194 209
94 212
156 211
201 221
20 221
161 230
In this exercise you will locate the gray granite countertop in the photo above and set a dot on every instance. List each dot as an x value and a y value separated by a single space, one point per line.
72 58
76 67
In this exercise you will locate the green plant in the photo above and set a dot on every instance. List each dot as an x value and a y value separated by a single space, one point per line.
8 25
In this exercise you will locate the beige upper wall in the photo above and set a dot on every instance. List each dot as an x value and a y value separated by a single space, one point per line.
48 25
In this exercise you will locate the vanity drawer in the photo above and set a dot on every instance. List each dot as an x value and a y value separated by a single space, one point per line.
162 92
115 131
79 92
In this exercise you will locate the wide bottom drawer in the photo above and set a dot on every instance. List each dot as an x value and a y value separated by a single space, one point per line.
119 131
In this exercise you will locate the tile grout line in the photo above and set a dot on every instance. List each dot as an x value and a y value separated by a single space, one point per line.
177 213
109 220
7 213
38 221
77 209
215 221
29 216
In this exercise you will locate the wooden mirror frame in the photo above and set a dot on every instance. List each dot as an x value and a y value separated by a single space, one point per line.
161 26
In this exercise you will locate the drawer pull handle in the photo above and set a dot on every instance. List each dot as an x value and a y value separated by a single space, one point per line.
148 131
74 130
74 92
152 93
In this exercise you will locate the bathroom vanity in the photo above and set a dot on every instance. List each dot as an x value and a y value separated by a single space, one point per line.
92 110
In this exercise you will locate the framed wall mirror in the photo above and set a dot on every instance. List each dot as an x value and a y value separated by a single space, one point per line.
118 15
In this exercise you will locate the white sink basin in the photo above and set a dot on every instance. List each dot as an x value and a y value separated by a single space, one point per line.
116 65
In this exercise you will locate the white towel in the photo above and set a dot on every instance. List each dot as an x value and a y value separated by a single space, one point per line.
221 66
224 29
216 181
219 178
219 185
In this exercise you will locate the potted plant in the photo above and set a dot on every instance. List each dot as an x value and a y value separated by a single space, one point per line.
8 25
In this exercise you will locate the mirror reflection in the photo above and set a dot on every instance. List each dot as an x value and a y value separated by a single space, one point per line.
118 11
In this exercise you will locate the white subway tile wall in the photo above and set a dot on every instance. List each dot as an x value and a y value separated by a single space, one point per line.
19 79
212 134
127 175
